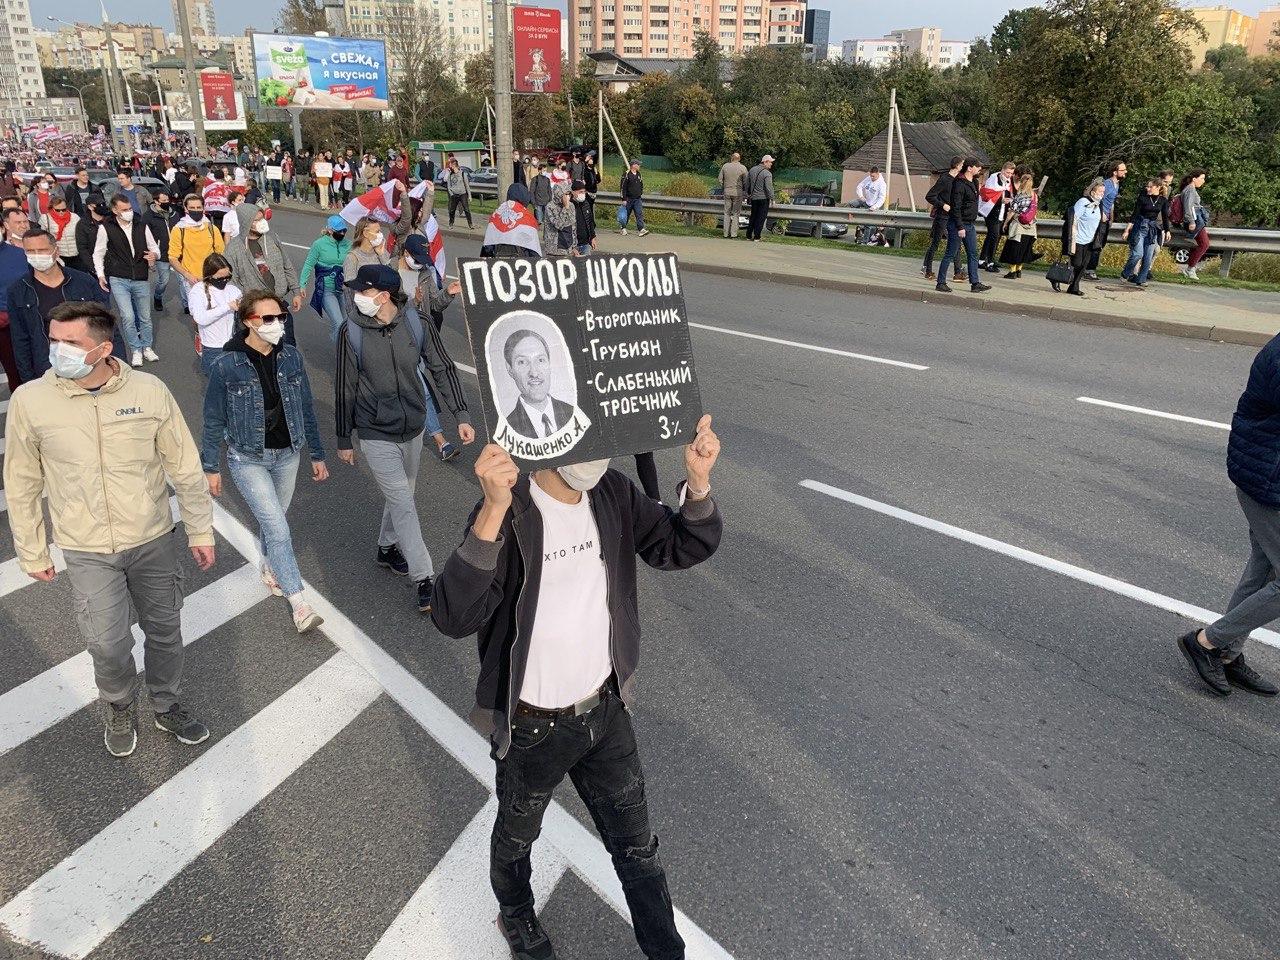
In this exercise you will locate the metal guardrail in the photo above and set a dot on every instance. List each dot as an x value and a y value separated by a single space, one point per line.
1225 241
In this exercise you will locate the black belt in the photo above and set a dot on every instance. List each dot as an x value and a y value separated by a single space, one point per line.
585 705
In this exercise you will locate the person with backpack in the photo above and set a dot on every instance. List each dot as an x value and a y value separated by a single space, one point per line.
380 393
257 373
1147 232
1020 227
191 240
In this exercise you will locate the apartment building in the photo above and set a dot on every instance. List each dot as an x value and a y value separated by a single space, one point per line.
23 98
468 23
925 42
83 46
665 29
201 15
1264 32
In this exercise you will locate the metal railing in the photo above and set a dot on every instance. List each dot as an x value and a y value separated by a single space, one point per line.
1223 241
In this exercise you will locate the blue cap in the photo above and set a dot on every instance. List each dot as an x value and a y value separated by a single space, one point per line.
415 245
336 223
376 276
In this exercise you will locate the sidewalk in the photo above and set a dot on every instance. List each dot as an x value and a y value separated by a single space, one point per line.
1182 310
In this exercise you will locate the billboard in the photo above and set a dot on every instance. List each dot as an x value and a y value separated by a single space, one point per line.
178 107
218 92
537 49
320 73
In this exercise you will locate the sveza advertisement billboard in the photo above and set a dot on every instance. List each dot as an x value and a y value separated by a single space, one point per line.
320 73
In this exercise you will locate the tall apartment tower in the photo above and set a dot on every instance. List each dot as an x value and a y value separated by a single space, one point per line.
665 29
20 75
201 14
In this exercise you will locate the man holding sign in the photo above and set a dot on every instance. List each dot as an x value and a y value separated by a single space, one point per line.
557 670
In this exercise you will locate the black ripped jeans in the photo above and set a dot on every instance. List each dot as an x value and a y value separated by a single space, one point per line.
598 752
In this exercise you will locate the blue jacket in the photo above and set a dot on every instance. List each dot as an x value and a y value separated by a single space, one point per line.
234 409
1253 450
13 264
27 329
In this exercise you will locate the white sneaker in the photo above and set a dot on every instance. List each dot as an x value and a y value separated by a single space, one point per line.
136 359
269 581
305 619
1188 272
149 354
643 233
622 232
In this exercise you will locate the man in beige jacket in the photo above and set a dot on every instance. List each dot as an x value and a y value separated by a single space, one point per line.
101 438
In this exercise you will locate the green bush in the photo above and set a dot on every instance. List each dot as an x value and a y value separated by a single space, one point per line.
682 185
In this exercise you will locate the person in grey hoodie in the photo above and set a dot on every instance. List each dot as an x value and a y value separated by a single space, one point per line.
459 192
259 262
380 393
760 194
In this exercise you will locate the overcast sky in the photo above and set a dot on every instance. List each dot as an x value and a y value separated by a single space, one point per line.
850 19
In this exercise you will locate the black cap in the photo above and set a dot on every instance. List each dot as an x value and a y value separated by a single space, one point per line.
376 276
578 185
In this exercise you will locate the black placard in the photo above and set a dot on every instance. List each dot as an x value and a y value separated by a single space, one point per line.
581 358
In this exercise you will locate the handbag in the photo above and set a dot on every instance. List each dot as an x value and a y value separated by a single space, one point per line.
1060 271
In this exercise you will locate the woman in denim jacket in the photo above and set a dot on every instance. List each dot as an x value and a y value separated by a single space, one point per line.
259 402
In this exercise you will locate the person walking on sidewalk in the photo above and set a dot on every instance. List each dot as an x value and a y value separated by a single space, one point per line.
213 303
540 192
257 373
1110 193
962 227
1020 227
546 577
993 198
380 394
632 189
1149 229
122 258
584 219
1195 219
459 188
325 259
1216 653
102 439
759 196
1080 229
939 200
733 181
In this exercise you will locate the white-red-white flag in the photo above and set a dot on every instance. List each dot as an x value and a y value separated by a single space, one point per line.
378 203
435 244
514 224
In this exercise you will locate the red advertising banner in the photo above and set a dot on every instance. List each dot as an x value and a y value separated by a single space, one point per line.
218 91
537 49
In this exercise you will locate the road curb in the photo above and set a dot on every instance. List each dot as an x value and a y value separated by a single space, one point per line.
961 298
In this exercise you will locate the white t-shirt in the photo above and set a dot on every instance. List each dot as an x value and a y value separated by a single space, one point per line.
569 649
216 323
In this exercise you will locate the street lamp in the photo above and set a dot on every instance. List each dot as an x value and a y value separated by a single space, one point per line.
79 94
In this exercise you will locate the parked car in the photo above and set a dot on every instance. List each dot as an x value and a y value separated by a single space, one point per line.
805 228
488 176
744 218
1180 246
442 175
150 184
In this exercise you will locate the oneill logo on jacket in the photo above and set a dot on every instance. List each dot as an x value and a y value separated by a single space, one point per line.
128 411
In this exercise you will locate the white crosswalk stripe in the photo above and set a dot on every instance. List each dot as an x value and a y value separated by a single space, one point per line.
13 578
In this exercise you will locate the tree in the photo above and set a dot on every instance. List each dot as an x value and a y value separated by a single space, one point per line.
421 58
1011 34
60 82
301 16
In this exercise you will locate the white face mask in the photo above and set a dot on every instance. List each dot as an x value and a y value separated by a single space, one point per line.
411 263
126 216
583 476
366 304
377 241
272 332
40 261
261 227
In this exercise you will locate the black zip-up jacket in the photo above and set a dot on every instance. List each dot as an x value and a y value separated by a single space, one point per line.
591 178
161 222
940 193
586 221
491 589
964 202
632 186
1152 208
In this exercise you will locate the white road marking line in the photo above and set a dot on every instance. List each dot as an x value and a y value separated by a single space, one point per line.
1154 413
76 905
1121 587
453 911
296 246
4 405
32 707
12 578
583 851
809 346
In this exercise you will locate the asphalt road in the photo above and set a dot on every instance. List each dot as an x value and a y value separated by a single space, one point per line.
864 737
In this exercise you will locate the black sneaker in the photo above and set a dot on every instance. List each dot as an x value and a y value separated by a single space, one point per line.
425 589
525 937
993 267
942 288
184 727
158 305
1240 674
979 288
1207 663
121 731
391 558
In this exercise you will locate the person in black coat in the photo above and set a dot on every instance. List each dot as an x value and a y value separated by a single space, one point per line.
161 214
939 200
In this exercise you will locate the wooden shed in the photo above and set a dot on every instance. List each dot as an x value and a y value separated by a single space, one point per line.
930 147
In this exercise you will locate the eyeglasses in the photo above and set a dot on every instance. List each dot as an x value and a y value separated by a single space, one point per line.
267 317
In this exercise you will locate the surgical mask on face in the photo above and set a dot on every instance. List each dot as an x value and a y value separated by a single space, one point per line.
411 263
272 332
69 361
261 226
378 241
583 476
40 261
580 197
126 216
42 186
366 304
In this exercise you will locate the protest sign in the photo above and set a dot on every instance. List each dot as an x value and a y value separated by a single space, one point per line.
581 358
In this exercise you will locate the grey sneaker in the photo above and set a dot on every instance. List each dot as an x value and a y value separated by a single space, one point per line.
525 936
121 733
184 727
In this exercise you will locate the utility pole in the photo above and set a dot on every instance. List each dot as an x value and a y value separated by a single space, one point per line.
193 85
502 95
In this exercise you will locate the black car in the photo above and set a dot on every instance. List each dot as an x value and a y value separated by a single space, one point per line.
806 228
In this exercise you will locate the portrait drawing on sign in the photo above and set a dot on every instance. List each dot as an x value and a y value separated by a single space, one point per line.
534 386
